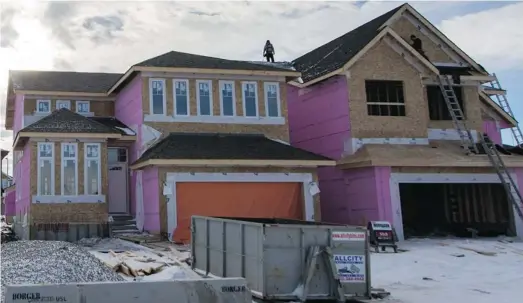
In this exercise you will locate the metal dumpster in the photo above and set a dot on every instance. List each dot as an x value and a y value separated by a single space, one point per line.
271 255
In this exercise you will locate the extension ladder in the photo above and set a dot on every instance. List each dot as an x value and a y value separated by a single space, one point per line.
502 101
458 118
511 189
513 194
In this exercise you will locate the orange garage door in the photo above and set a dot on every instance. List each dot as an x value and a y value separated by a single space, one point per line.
238 199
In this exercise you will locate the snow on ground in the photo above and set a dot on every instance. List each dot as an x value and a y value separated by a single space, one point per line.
436 271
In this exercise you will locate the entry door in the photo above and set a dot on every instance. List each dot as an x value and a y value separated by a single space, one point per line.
118 189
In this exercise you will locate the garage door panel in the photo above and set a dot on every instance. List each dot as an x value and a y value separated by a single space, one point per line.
245 199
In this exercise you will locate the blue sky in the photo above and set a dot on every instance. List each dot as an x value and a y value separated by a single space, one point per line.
110 36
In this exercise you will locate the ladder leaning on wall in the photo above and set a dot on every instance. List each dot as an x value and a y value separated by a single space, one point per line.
495 90
468 143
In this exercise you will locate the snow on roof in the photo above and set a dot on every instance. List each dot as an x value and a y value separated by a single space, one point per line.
280 64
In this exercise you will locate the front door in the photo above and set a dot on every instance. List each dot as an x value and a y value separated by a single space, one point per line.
118 186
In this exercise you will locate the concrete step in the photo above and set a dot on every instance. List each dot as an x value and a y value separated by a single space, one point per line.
125 231
127 222
122 217
124 227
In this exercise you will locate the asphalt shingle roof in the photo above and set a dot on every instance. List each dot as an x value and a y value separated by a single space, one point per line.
186 60
114 124
63 81
214 146
65 121
333 55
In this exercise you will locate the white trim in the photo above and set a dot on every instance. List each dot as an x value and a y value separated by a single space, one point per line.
187 94
88 103
396 178
386 103
217 119
266 97
62 166
173 178
211 76
68 199
69 140
151 80
450 64
51 158
67 102
221 83
448 134
256 97
86 166
211 107
38 106
353 144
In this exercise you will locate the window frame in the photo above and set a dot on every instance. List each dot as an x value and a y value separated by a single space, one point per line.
221 85
63 160
38 106
164 97
83 102
256 99
39 169
211 105
278 98
86 167
441 104
175 102
68 102
386 103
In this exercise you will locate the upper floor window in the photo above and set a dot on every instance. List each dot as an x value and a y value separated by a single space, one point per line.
43 106
46 177
204 96
438 109
181 97
157 96
83 107
272 99
385 98
250 99
69 174
228 102
63 104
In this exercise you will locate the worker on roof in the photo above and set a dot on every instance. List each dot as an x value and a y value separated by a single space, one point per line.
268 51
418 45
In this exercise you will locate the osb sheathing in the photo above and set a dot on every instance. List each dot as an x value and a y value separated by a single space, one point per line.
405 28
471 107
162 177
273 131
383 63
70 212
99 108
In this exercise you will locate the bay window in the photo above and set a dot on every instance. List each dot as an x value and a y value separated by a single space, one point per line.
45 171
69 176
92 169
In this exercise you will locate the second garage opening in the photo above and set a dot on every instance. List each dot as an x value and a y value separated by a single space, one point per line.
455 209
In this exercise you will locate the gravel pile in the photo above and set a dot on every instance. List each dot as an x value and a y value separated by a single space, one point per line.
49 262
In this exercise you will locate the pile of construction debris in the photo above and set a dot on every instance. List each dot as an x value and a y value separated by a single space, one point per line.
47 262
7 231
136 262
